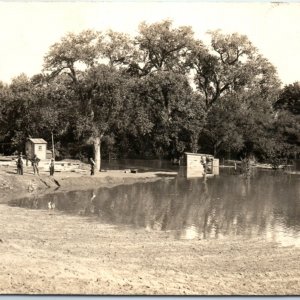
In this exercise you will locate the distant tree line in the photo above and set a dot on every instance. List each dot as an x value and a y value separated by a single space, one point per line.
155 95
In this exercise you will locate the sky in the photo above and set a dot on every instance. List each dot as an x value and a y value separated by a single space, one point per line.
28 29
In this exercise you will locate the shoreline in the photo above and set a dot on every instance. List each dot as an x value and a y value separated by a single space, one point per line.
13 186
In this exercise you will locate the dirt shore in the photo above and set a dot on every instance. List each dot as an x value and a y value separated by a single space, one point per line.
13 186
47 252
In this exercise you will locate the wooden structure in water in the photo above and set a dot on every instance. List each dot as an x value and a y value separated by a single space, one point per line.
199 165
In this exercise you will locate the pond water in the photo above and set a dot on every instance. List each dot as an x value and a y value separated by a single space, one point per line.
140 164
267 206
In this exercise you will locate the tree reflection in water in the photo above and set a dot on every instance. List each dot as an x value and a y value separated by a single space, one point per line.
227 205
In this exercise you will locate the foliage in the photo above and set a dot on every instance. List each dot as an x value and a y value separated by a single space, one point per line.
161 47
233 66
286 125
166 97
157 94
19 101
239 87
289 99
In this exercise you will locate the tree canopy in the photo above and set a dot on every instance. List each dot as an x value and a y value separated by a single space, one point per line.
156 94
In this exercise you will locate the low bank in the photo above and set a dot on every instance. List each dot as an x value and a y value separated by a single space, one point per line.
14 186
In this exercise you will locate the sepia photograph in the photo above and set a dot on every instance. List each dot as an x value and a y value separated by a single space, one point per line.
149 148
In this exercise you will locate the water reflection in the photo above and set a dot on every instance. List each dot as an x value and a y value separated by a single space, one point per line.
267 205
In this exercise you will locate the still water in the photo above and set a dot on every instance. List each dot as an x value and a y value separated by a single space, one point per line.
265 206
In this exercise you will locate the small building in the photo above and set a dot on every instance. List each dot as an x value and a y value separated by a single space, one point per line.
37 147
198 165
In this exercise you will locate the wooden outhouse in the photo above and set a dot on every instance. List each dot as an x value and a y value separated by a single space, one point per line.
193 165
37 147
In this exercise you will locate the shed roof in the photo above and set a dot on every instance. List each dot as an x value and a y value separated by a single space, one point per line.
38 141
197 154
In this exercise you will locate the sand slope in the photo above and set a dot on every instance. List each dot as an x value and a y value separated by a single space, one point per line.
46 252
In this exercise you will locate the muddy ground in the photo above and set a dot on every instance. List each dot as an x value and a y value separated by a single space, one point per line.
46 252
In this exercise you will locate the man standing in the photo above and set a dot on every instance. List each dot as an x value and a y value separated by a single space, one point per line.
51 167
92 166
20 165
35 163
27 157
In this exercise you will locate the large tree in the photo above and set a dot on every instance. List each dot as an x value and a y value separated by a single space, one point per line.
239 87
97 89
171 111
107 91
164 96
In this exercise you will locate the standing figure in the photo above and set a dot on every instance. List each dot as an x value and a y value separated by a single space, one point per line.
20 165
51 167
27 157
51 204
204 164
35 163
92 163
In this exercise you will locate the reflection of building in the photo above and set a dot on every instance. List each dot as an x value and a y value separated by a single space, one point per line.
190 233
37 147
198 165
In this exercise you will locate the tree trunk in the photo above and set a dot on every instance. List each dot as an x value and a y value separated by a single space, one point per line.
215 150
53 150
194 143
97 152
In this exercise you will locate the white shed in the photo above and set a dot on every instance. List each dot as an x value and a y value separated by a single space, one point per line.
37 147
193 165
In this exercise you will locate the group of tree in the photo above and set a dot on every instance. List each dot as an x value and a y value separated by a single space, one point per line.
158 94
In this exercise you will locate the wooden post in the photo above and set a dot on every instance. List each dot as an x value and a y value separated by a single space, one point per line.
53 151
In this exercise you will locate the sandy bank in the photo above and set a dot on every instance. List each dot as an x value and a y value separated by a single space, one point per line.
46 252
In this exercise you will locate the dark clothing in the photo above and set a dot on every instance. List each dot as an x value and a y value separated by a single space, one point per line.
35 168
92 166
27 158
20 166
20 170
92 169
51 169
35 162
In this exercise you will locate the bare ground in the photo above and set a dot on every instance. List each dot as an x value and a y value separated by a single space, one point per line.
46 252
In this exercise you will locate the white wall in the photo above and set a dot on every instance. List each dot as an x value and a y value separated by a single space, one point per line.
40 150
194 166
